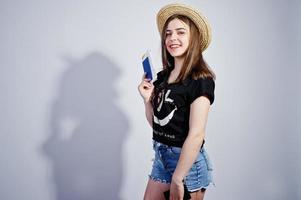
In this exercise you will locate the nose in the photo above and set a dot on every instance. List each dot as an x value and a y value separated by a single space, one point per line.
173 36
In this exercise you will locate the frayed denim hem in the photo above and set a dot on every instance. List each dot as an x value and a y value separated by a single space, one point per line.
205 187
158 179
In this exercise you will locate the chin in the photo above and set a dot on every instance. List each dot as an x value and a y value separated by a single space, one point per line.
176 54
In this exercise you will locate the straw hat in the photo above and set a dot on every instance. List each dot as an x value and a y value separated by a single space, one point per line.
188 11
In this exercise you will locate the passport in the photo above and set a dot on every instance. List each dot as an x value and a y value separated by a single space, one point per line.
147 65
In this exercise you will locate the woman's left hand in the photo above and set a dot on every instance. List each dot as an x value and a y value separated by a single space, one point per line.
176 190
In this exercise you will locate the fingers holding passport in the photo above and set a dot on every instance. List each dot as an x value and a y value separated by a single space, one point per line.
145 87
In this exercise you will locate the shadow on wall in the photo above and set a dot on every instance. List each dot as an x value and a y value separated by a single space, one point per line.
87 131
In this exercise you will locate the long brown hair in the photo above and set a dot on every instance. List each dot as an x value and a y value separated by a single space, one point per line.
194 63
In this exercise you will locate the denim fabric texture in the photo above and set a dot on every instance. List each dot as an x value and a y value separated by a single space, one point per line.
165 162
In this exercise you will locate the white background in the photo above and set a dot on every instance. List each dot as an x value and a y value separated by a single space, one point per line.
72 123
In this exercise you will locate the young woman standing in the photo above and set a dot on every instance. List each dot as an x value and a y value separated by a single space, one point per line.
177 106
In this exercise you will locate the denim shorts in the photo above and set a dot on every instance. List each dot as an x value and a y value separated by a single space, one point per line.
165 162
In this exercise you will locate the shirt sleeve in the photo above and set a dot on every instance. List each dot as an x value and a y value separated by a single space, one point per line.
202 87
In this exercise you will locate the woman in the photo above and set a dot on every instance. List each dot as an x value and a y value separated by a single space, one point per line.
177 106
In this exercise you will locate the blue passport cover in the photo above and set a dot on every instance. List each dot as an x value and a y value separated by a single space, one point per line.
147 68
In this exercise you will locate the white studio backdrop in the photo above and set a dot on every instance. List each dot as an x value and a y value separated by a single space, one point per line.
72 123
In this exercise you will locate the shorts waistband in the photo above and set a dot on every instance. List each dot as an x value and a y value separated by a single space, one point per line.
157 144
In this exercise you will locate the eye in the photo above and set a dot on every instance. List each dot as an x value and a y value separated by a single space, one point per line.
167 34
181 32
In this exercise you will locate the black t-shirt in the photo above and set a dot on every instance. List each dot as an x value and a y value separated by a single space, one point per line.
171 106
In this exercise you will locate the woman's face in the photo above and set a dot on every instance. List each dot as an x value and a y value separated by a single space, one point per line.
177 38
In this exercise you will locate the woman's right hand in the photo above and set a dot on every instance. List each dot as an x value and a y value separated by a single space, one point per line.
145 88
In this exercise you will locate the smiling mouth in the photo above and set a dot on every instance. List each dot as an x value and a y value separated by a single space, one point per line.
174 46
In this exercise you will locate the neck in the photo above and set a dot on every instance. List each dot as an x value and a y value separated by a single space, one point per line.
176 70
178 65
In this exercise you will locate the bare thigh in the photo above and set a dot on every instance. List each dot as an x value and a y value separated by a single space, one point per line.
199 195
154 190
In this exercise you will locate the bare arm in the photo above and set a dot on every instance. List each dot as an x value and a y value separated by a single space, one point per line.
149 112
199 110
146 89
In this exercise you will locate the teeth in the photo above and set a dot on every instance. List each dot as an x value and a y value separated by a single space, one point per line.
174 46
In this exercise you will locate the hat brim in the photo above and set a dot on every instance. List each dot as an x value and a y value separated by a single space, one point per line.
200 20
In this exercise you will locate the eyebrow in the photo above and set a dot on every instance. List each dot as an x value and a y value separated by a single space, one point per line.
176 29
